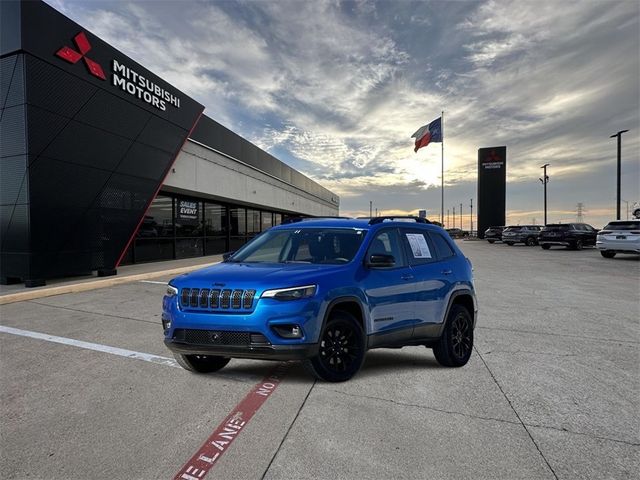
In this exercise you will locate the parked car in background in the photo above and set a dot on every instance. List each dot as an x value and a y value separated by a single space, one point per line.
527 234
493 234
619 236
457 233
571 235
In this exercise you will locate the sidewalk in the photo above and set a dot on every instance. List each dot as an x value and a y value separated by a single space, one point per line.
126 274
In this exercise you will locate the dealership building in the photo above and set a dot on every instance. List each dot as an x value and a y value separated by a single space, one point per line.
103 163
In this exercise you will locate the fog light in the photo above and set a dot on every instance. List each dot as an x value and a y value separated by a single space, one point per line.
166 323
288 331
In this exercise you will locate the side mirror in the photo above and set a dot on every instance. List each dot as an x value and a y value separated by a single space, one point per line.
381 261
225 256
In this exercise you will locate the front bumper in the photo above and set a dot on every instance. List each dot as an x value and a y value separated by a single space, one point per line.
263 352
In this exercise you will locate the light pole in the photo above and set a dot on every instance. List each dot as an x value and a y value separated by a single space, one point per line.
370 209
454 217
448 217
461 217
471 215
619 135
545 180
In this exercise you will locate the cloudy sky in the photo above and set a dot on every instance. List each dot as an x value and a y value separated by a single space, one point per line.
335 89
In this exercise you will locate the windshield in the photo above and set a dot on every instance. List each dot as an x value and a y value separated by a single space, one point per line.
630 225
302 245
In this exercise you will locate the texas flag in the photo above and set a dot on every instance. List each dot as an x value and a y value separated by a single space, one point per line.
428 133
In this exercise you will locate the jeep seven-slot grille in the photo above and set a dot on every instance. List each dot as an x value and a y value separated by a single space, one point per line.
218 337
215 299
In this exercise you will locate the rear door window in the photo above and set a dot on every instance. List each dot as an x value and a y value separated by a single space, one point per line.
420 249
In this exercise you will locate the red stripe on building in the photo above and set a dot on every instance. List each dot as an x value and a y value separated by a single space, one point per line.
224 435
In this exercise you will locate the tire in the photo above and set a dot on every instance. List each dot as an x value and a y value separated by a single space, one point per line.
341 349
607 253
530 242
509 243
491 241
577 245
545 246
456 343
201 363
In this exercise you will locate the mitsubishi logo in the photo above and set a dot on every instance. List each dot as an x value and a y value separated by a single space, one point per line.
72 56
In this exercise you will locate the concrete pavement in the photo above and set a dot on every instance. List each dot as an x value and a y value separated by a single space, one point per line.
551 390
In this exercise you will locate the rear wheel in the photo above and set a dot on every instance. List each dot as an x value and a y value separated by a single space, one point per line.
607 253
509 243
577 245
456 343
491 241
545 246
341 350
201 363
530 242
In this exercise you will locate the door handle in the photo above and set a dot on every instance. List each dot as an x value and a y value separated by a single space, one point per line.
407 277
446 272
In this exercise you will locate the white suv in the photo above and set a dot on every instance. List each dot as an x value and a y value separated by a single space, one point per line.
619 236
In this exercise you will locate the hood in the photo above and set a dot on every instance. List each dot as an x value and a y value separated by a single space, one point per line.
258 275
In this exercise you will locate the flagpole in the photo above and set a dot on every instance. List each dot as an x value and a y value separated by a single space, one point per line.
442 176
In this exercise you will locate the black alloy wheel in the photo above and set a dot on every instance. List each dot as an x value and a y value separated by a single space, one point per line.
456 344
340 351
607 253
201 363
530 242
577 245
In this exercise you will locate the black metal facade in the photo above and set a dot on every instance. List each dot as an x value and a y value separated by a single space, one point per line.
81 158
492 181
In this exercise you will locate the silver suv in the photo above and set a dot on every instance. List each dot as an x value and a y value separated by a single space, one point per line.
527 234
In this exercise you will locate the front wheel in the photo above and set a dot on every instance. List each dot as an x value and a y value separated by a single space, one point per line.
491 241
341 350
456 343
607 253
201 363
509 243
577 245
545 246
530 242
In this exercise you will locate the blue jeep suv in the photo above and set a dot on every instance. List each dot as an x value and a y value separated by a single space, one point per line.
324 291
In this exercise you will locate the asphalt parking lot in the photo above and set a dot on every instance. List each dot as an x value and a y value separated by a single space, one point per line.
551 391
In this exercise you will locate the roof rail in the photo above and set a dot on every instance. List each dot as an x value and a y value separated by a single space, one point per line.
302 219
376 220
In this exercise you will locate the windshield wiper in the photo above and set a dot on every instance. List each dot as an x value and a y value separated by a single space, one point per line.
296 261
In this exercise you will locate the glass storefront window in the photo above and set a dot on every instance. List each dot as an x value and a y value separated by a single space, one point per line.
253 222
267 220
215 220
277 218
188 218
158 222
238 222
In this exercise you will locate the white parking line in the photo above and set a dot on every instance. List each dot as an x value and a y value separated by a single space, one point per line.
151 281
147 357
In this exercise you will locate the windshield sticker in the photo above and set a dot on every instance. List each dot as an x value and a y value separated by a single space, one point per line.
419 246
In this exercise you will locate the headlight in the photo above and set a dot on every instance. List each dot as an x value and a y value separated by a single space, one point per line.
293 293
171 291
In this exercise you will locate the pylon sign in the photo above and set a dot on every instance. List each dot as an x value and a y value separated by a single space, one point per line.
492 181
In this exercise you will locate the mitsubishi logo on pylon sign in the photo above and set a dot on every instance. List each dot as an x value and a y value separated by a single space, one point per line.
72 56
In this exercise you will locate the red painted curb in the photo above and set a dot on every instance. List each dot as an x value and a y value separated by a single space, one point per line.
224 435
